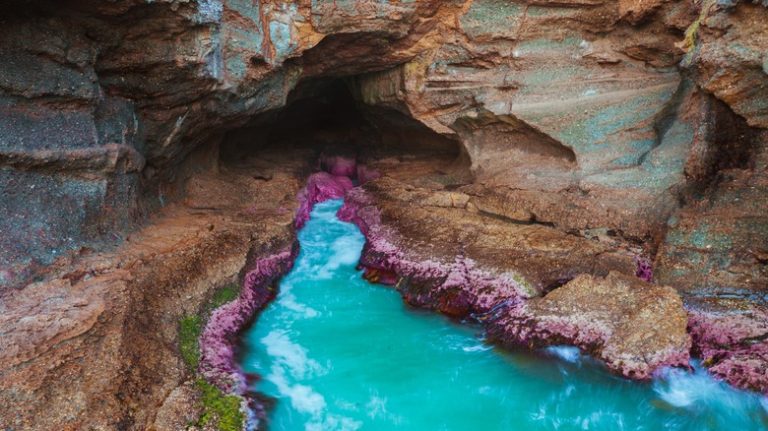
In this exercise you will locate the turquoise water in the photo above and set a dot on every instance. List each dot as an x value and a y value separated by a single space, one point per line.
339 353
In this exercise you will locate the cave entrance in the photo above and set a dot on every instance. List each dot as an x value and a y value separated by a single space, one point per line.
325 117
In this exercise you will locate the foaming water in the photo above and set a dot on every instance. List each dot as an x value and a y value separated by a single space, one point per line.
339 353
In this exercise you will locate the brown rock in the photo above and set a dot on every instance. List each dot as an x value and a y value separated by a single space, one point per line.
634 326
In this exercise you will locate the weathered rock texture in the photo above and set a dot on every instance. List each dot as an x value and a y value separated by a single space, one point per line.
731 336
470 264
584 136
634 327
95 345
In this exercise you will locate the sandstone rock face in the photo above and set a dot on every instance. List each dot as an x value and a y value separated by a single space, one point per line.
586 137
635 327
95 345
718 244
728 57
574 113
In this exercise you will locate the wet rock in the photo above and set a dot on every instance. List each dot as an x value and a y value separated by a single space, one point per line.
321 186
635 327
529 256
731 337
219 338
471 264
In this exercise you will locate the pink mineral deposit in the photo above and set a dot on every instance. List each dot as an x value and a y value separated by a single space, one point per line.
339 166
219 338
733 344
321 186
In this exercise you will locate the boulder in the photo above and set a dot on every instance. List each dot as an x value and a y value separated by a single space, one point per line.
635 327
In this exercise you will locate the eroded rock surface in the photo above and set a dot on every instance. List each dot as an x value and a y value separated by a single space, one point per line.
636 328
95 346
731 336
585 137
577 113
473 264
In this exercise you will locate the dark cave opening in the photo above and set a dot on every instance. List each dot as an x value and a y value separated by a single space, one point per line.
325 117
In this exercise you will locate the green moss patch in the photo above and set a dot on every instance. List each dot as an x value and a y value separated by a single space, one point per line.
222 296
190 328
219 409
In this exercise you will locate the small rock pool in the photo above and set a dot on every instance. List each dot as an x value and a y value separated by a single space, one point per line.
339 353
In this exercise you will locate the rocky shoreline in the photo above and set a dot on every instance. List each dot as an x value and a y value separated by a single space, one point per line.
266 264
731 340
524 161
512 314
614 317
218 343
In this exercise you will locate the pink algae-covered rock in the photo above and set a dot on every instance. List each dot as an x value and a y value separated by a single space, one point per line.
342 166
321 186
217 343
360 209
339 166
456 288
635 327
365 174
732 339
644 269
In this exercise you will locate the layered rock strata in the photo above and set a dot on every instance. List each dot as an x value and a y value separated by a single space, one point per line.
599 136
95 344
580 114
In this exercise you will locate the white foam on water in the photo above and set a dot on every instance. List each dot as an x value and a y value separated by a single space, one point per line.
303 398
345 251
477 348
698 390
334 423
288 300
306 400
289 354
346 405
377 408
291 362
566 353
485 390
680 388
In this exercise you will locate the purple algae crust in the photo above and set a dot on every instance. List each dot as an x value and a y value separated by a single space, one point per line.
461 289
644 269
457 288
219 338
733 345
321 186
516 326
339 166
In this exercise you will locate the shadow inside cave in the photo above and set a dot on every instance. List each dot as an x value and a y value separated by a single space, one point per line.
325 118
